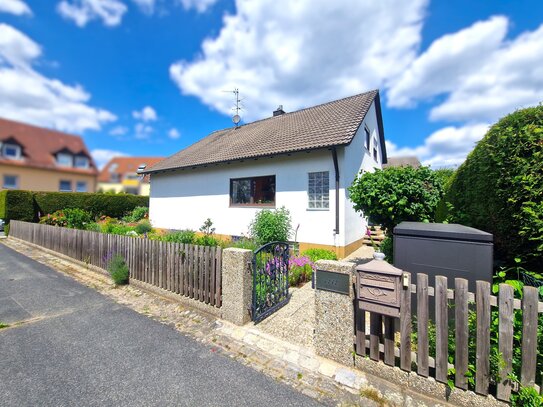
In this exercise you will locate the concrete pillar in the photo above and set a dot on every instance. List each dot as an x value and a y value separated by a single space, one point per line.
237 285
334 316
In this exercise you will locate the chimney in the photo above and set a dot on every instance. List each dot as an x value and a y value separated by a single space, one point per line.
279 111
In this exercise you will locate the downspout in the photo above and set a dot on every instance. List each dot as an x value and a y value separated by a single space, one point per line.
336 169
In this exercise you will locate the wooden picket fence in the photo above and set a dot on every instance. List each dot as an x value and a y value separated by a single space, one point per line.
382 338
188 270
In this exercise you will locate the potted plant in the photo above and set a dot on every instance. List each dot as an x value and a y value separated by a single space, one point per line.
377 253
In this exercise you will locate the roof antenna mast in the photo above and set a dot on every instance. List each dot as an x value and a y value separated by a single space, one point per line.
236 118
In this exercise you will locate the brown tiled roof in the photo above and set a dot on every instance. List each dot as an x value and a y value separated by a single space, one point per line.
40 145
405 161
327 125
125 165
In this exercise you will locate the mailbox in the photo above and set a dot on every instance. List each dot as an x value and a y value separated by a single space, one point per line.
379 287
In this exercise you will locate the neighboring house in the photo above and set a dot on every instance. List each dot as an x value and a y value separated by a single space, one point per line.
403 161
38 159
303 160
120 175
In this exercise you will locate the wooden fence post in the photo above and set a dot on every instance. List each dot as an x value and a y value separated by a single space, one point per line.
482 298
462 332
505 340
442 329
405 325
422 325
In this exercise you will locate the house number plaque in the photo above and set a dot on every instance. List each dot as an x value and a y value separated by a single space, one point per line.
331 281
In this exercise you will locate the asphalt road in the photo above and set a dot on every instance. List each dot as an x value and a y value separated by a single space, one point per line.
82 349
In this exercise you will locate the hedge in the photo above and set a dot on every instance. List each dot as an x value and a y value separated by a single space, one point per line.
28 205
499 188
17 205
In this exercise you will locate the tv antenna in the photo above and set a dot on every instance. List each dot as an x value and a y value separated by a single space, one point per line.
236 118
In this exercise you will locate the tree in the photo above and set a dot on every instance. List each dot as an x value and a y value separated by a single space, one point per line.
397 194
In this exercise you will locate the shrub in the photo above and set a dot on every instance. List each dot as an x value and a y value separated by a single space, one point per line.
397 194
207 240
244 243
182 236
70 218
499 188
319 254
270 226
17 205
118 269
300 270
143 227
137 214
387 247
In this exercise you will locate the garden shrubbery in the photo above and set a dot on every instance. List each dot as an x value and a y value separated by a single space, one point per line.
18 205
499 188
271 226
118 269
70 218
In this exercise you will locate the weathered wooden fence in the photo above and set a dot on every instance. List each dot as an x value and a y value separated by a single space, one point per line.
382 338
188 270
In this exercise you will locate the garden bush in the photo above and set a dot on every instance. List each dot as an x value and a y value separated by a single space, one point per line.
17 205
118 269
186 236
397 194
300 270
387 247
499 188
143 227
270 226
137 214
319 254
71 218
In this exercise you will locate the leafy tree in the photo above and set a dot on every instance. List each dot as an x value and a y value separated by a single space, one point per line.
269 226
397 194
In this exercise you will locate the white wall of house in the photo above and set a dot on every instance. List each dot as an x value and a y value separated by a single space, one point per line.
184 199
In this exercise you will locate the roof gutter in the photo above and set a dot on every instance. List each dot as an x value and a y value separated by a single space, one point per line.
336 170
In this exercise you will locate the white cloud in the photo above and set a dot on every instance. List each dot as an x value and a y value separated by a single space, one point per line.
199 5
102 156
82 11
17 7
146 6
446 147
118 131
146 114
28 96
482 75
302 53
174 134
142 131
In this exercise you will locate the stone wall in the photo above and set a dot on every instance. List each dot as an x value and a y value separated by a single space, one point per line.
237 284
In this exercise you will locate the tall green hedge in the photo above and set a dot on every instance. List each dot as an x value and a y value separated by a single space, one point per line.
499 188
28 205
17 205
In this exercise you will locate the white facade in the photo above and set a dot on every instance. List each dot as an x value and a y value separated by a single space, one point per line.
184 199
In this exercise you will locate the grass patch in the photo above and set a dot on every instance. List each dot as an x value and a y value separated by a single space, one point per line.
2 325
374 395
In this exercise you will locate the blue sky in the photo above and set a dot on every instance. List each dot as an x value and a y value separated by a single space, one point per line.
147 77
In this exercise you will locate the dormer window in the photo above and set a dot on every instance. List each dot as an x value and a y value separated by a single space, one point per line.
11 151
81 161
64 160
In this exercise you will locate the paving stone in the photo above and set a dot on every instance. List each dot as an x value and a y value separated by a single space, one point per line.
346 377
327 369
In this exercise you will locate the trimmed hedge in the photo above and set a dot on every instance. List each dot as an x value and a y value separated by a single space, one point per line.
28 206
17 205
116 206
499 188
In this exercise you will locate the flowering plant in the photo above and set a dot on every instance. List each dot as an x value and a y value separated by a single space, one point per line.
300 270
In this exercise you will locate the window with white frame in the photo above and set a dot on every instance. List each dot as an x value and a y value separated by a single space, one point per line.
11 151
80 161
367 138
318 191
64 160
81 186
10 182
65 186
375 150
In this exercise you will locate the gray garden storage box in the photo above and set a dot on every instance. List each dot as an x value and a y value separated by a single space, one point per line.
449 250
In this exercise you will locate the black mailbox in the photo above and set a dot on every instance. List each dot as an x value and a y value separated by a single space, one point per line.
450 250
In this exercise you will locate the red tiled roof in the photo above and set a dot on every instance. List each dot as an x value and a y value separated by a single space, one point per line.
39 146
330 124
125 165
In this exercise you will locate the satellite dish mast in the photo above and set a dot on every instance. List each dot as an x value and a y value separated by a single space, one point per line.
236 118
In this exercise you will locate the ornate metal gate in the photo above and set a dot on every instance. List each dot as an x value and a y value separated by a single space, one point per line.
270 279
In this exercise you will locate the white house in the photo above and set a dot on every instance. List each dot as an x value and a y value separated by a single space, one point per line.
303 160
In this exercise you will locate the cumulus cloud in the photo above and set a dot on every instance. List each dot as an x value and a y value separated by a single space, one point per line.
82 11
17 7
118 131
142 131
146 114
28 96
146 6
446 147
199 5
102 156
301 53
174 134
481 74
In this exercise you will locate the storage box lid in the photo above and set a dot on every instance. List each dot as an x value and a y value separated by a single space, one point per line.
442 231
